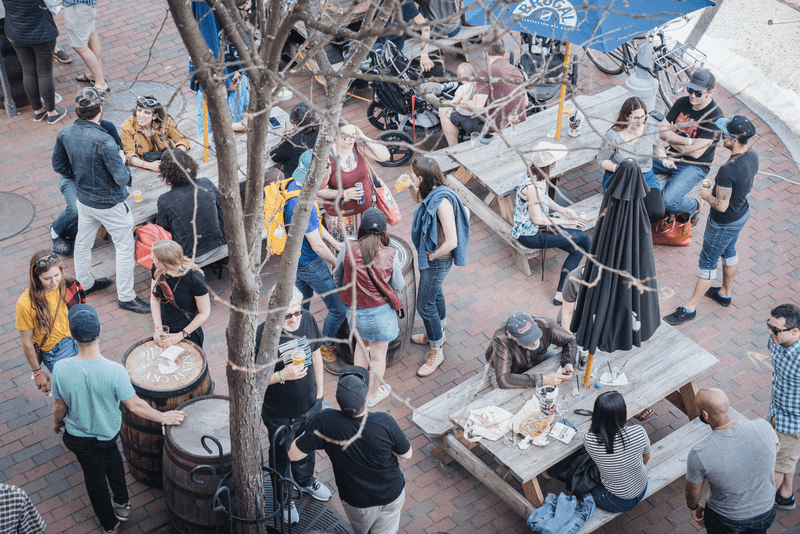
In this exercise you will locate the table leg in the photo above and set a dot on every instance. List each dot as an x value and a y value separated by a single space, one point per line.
689 397
506 204
533 492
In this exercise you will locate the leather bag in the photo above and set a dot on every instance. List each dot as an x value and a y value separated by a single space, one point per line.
677 233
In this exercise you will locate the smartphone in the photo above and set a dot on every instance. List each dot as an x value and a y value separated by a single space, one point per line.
275 123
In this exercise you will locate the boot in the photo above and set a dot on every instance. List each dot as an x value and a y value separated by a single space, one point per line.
433 360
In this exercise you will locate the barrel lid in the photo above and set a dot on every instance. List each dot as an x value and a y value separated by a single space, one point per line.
204 416
403 253
151 371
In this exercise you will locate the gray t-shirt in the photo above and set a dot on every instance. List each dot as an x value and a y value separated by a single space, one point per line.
738 465
643 150
571 286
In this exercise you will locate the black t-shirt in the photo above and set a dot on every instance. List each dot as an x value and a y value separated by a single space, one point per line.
294 397
367 473
184 288
738 174
290 150
697 125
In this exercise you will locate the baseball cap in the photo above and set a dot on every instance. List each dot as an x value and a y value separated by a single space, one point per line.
88 97
523 328
351 393
701 80
739 126
545 153
84 325
373 221
303 166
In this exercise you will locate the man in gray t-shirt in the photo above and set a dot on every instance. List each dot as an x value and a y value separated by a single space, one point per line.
737 460
569 296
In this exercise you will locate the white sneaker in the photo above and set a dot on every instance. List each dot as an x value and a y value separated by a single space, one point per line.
433 360
290 514
122 511
318 491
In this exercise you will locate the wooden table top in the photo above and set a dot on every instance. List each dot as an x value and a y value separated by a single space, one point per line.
500 163
152 187
662 365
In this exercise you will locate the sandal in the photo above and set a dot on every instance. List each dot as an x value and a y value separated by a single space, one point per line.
383 391
644 414
84 78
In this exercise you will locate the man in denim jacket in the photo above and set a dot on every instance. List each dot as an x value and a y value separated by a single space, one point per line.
85 153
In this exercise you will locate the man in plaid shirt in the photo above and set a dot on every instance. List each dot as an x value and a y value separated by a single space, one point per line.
17 513
784 410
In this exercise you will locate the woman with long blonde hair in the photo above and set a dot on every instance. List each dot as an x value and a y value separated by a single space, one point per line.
179 297
42 315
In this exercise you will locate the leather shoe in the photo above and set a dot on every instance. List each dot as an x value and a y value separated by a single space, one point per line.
99 283
136 305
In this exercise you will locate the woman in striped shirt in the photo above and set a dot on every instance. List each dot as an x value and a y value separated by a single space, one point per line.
620 453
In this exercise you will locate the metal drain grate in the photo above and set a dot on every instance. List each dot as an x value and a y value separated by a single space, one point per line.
314 515
16 214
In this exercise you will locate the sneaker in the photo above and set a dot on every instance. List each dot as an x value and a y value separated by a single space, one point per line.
784 503
330 360
62 246
136 305
62 112
681 315
122 511
433 360
99 283
39 115
62 57
713 294
383 391
290 514
318 491
696 216
113 530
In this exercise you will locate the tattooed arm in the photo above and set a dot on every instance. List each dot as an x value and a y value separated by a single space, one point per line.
719 202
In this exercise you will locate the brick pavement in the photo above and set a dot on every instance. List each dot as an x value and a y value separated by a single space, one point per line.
480 295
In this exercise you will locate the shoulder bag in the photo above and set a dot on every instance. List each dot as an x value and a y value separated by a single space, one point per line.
164 294
383 197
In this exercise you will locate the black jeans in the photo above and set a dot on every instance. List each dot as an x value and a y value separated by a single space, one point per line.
37 73
717 524
302 471
100 460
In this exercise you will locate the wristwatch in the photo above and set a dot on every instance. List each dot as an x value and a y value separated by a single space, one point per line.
696 506
185 335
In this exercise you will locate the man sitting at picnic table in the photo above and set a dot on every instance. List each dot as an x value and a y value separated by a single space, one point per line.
521 344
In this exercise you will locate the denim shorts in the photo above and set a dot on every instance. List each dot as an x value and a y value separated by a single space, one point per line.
720 240
375 324
66 348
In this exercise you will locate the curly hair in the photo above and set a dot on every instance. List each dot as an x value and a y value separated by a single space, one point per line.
177 168
303 118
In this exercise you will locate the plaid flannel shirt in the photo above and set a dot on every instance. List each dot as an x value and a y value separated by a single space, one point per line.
785 404
17 513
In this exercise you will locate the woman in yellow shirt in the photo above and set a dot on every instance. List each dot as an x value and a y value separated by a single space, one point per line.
149 130
42 315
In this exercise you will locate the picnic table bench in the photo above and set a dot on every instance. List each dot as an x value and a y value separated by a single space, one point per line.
663 367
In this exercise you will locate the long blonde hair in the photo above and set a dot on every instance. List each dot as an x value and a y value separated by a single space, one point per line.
170 255
38 294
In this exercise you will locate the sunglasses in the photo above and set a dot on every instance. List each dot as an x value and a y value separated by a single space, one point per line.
298 313
149 102
698 94
775 330
44 262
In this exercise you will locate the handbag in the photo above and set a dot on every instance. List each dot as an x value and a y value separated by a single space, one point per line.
164 294
578 471
153 155
383 197
146 235
677 233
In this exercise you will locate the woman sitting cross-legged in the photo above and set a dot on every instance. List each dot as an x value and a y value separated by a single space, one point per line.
148 133
620 453
533 225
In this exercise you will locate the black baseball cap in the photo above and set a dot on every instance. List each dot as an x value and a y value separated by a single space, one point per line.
84 325
373 221
739 126
523 328
701 80
351 393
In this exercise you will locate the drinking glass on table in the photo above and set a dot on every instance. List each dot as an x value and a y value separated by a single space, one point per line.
161 333
474 139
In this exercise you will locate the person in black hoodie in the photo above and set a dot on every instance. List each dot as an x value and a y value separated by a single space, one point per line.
304 137
176 208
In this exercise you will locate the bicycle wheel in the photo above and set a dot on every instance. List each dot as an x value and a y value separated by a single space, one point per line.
673 75
612 63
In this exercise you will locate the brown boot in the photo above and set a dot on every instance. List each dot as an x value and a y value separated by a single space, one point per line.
330 360
433 360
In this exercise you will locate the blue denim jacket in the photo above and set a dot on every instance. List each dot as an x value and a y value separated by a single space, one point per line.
86 153
561 514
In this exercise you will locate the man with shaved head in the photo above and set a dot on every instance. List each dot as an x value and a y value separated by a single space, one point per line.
736 459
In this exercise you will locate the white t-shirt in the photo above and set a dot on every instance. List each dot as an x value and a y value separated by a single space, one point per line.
466 91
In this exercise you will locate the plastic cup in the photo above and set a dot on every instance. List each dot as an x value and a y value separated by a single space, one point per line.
162 332
402 182
299 358
474 139
137 196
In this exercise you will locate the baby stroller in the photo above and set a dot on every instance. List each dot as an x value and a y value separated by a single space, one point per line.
398 109
542 63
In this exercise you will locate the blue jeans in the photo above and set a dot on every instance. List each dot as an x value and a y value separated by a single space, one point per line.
316 278
605 500
717 524
545 240
66 348
66 225
720 240
302 471
682 179
430 299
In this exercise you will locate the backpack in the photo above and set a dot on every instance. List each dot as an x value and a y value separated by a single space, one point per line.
146 235
275 198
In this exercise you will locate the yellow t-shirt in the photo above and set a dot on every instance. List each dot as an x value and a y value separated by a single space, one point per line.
26 319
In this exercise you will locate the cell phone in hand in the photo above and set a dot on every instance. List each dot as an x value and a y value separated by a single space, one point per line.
275 123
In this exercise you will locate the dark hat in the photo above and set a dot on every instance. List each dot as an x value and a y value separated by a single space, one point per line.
351 393
523 328
739 126
701 80
88 97
373 221
303 166
84 325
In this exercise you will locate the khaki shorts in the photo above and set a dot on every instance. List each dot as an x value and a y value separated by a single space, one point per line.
788 452
79 22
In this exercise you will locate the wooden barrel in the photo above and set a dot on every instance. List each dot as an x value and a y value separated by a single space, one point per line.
165 385
399 347
188 503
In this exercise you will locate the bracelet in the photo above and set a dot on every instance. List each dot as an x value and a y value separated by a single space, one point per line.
36 373
695 507
280 377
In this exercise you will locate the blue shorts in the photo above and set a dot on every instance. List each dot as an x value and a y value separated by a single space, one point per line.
375 324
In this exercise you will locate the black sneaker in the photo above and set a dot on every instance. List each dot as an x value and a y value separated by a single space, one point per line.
62 112
99 283
680 316
784 503
713 294
39 116
61 246
113 530
136 305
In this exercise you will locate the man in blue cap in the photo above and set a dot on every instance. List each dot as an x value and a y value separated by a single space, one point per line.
729 213
88 390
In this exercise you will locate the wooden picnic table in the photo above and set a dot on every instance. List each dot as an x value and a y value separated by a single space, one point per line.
664 367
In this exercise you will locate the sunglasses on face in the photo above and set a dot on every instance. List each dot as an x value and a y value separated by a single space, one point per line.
298 313
149 102
775 330
698 94
43 262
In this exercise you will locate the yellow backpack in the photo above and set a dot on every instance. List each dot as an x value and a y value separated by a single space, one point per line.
275 198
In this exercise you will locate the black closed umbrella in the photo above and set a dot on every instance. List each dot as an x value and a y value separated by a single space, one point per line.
614 314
